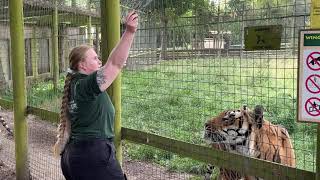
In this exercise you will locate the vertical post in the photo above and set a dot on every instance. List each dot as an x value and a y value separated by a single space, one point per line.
73 3
34 53
242 29
89 25
90 40
110 32
62 46
315 5
19 88
55 47
97 45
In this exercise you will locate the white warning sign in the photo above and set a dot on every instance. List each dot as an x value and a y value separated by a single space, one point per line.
309 77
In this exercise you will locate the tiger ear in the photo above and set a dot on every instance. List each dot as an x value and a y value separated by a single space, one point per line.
246 113
258 116
244 107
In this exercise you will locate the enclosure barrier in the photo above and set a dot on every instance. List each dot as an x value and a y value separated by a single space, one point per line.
260 168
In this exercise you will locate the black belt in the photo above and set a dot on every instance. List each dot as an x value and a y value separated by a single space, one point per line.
88 138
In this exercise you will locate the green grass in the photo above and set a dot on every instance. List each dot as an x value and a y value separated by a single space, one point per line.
175 98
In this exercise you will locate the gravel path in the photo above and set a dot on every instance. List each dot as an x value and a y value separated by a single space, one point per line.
44 166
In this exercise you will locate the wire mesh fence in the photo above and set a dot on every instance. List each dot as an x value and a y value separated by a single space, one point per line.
199 68
187 64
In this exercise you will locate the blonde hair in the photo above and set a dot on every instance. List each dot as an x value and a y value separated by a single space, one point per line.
76 55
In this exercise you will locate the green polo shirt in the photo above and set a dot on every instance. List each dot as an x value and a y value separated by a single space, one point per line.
91 111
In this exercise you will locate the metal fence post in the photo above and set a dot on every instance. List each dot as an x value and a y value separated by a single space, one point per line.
19 89
55 47
110 35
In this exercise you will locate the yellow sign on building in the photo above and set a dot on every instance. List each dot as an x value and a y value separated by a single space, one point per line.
262 37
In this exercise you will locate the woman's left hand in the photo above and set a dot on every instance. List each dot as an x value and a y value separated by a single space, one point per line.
132 22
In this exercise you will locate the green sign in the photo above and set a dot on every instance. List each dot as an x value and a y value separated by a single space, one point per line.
312 39
262 37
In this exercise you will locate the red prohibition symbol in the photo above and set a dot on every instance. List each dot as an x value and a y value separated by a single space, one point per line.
313 83
312 106
313 61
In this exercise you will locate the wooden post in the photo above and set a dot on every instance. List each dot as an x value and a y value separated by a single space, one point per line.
19 88
89 25
97 45
34 53
55 47
62 48
89 33
110 33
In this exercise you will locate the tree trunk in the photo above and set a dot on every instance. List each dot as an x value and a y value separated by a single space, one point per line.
164 38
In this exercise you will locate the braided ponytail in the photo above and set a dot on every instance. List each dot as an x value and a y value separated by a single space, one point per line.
64 128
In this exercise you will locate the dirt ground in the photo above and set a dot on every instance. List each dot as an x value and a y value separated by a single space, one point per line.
6 173
44 166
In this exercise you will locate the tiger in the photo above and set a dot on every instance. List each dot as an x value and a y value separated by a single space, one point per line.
248 133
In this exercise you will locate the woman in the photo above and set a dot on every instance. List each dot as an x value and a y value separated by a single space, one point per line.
85 133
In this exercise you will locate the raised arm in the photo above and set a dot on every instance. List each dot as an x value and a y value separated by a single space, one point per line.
107 73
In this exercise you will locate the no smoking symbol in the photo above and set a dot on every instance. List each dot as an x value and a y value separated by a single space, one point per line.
312 106
313 61
313 83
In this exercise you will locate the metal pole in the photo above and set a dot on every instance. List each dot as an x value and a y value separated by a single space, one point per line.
19 89
55 47
110 33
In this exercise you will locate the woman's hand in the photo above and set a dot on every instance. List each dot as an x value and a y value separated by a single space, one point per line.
132 22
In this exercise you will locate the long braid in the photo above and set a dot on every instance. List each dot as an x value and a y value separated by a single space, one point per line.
64 128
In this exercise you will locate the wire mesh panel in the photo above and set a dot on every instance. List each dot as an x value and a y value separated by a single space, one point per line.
5 46
69 23
7 157
140 163
77 22
189 63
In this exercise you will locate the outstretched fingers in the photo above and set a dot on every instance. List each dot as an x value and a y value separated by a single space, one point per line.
132 21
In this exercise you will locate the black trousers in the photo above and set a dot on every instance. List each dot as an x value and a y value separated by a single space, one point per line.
90 159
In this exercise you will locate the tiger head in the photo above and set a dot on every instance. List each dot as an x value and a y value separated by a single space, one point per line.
230 129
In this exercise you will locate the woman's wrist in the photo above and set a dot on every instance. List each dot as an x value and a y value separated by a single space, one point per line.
130 31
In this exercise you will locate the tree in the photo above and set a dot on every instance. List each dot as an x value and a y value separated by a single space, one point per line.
164 11
167 10
205 16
